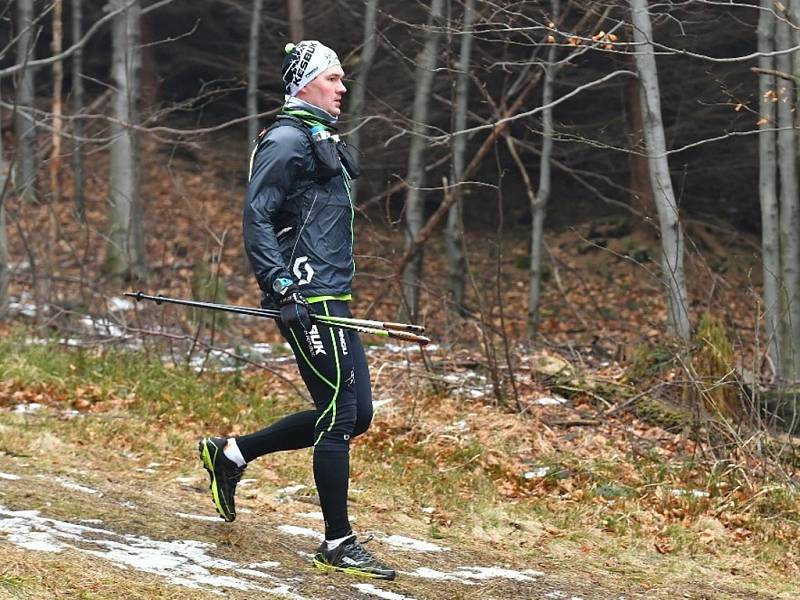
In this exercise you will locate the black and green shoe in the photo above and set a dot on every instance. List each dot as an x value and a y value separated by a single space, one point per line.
224 475
352 558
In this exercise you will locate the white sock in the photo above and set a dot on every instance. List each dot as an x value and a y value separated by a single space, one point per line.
231 450
331 544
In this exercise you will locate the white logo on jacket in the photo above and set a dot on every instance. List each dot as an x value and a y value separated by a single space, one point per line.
302 277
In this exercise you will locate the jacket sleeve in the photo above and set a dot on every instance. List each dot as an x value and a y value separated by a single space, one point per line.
279 161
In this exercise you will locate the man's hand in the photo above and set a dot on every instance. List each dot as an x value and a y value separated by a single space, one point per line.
295 311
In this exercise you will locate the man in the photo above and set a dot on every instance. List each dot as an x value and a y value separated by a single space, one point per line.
298 235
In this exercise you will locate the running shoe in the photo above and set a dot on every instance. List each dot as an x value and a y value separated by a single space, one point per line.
223 473
352 558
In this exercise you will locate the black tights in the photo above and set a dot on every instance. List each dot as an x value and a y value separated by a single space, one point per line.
334 368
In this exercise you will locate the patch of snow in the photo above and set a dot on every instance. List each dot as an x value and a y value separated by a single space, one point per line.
460 426
255 573
303 531
23 308
537 473
317 516
371 590
428 510
291 490
102 327
551 401
71 485
35 540
246 482
261 348
27 409
267 564
406 543
181 562
693 493
197 517
118 303
71 342
465 574
9 476
427 573
498 573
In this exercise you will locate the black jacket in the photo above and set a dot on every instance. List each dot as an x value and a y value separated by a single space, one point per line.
297 225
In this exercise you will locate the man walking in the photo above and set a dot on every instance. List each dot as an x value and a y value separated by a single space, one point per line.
298 235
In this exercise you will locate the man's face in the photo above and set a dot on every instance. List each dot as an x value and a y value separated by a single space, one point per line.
326 91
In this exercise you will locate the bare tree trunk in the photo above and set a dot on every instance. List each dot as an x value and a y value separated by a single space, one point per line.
454 232
767 186
77 106
789 211
252 75
672 243
4 256
58 82
539 207
358 91
25 169
415 200
641 191
296 30
126 243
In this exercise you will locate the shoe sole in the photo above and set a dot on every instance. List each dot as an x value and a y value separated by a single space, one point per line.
324 566
208 465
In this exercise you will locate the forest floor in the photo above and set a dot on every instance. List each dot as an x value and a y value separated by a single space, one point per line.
102 494
583 476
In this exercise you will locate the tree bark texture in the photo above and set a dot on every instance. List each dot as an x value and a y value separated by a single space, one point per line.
415 199
454 231
252 75
358 91
641 191
126 243
25 127
789 211
539 206
58 111
296 29
672 242
4 255
76 95
767 187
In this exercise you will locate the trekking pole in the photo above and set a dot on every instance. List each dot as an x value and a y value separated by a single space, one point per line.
360 325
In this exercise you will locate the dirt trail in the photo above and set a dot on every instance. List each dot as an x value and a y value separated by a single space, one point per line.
153 529
179 543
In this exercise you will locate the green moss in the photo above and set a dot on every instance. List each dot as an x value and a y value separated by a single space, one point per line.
663 414
713 363
648 361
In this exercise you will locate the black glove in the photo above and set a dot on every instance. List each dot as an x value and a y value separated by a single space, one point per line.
295 311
